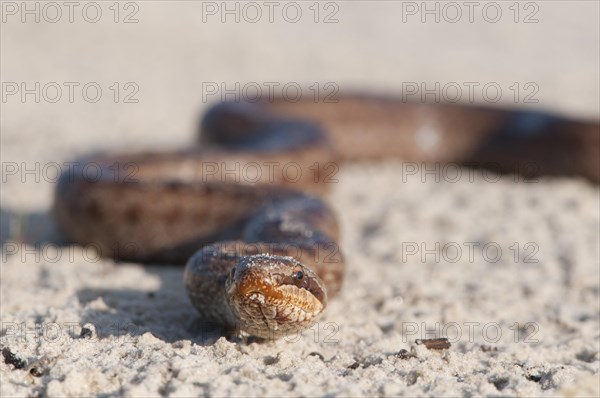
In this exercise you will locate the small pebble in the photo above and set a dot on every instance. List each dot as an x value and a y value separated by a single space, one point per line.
12 359
434 344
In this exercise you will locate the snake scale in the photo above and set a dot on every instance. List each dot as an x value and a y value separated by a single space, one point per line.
262 251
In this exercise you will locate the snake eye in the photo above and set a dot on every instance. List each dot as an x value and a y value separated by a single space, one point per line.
299 275
232 272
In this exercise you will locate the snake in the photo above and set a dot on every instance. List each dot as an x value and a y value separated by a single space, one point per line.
245 207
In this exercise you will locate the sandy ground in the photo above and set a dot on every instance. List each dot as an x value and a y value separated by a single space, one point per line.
508 270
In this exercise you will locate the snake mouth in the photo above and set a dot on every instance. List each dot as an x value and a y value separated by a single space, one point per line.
268 297
301 305
260 286
292 296
276 311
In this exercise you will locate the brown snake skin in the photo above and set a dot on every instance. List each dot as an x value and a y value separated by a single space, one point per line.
261 250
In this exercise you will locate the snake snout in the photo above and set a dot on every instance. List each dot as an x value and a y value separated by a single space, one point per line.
275 295
246 279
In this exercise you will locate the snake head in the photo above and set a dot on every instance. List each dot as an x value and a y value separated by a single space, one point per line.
274 296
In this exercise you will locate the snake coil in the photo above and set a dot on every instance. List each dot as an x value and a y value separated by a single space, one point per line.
262 249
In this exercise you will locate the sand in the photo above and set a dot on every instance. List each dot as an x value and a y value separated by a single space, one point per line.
506 269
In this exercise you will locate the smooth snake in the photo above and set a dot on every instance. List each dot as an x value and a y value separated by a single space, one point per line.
262 248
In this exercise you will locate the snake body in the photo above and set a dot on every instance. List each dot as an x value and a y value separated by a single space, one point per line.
262 251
